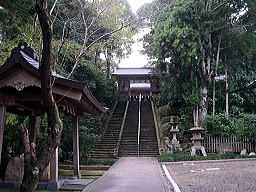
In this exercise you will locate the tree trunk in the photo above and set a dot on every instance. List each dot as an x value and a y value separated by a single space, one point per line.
203 104
227 91
216 73
29 181
214 98
36 161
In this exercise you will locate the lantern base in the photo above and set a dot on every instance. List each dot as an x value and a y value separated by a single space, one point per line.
196 148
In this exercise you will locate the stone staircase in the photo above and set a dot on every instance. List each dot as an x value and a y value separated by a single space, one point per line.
129 139
106 147
148 140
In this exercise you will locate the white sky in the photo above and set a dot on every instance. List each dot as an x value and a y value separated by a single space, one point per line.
136 59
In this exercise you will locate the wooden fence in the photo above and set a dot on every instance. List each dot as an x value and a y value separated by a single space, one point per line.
216 144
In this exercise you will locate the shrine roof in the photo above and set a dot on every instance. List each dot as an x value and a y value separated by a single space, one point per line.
140 85
132 71
25 57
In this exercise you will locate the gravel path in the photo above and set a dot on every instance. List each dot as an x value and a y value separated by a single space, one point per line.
131 174
238 176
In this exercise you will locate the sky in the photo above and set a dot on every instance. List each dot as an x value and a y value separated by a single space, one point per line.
135 59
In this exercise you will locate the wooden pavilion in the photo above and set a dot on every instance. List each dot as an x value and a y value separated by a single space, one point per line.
20 93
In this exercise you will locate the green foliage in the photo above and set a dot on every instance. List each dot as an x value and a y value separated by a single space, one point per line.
103 88
165 129
228 155
12 142
186 157
218 125
165 158
90 131
164 111
165 120
186 37
245 126
241 126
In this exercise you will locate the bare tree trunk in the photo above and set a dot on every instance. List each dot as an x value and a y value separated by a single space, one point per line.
216 73
203 104
227 91
213 97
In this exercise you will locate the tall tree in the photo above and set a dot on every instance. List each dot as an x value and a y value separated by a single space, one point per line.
37 158
191 40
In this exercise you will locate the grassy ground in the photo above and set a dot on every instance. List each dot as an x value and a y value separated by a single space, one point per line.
84 173
67 170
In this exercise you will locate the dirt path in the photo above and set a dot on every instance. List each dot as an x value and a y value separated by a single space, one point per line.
131 174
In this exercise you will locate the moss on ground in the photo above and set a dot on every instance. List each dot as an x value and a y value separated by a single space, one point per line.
82 172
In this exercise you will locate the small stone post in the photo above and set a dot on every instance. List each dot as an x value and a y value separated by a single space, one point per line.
54 167
196 140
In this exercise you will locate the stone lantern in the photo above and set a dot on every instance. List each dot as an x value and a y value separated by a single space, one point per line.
174 122
196 140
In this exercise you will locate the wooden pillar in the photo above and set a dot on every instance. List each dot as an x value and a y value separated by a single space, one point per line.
2 124
76 147
54 167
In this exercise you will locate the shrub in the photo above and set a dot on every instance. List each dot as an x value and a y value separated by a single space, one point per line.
187 157
165 158
165 120
164 111
218 125
244 156
228 155
245 126
165 128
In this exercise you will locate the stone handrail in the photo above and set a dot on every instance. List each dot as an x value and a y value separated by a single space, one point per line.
122 128
139 126
110 116
157 128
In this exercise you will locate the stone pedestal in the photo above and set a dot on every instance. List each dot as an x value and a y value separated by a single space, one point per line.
196 140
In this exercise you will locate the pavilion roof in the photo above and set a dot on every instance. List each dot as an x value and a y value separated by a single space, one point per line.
24 57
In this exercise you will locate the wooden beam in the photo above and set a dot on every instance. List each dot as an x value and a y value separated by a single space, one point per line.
33 111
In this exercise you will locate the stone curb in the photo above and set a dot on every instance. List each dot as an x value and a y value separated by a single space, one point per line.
171 180
208 161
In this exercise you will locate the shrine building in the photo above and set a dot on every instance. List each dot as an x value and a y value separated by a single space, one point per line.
135 81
